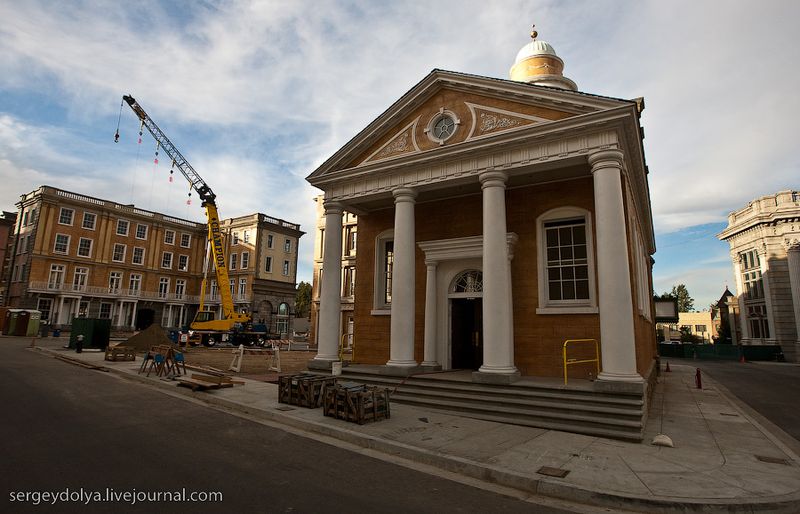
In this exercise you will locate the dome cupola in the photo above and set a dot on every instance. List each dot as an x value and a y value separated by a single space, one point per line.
537 63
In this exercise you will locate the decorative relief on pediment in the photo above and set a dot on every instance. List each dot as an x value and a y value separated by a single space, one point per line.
402 143
488 120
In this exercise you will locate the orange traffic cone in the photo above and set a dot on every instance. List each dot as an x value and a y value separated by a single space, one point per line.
667 370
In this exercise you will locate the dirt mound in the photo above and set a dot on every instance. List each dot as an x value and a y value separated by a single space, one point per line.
151 336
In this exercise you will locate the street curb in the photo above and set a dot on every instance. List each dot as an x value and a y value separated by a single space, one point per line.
543 486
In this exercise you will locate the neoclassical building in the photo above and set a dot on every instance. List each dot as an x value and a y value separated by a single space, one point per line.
764 237
496 220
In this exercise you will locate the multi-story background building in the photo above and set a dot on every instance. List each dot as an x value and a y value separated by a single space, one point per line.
764 239
348 271
7 222
75 255
262 262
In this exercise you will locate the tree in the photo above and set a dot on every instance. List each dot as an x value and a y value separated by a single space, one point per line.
680 293
302 300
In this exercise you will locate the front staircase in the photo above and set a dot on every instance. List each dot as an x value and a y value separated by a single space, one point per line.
529 402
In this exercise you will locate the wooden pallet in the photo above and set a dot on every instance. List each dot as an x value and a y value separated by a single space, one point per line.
356 403
120 353
199 382
304 389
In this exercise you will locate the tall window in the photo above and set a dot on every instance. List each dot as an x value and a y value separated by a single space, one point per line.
85 247
169 237
119 253
138 255
242 287
246 236
349 282
186 240
270 241
163 287
114 282
268 265
105 311
62 244
56 278
350 241
79 279
180 288
213 290
65 216
567 261
183 263
287 245
166 260
234 261
122 227
566 276
286 268
141 231
245 259
135 284
45 306
384 264
283 318
753 285
89 220
236 238
232 285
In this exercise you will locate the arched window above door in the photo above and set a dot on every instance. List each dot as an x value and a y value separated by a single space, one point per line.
470 281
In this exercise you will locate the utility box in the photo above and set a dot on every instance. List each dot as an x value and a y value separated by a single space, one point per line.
34 320
96 332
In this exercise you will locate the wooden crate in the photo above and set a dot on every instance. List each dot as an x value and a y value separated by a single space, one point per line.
356 403
304 389
120 353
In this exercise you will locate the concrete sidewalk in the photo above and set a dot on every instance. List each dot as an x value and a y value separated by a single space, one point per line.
723 459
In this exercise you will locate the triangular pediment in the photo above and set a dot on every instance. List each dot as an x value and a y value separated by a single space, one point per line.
476 108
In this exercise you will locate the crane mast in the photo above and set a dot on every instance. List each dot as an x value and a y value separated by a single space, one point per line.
204 319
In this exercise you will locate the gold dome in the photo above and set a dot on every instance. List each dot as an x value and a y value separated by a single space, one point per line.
537 63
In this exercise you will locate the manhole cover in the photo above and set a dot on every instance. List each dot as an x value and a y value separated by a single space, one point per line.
553 472
772 460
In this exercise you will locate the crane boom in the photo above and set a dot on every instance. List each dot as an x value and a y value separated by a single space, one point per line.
205 320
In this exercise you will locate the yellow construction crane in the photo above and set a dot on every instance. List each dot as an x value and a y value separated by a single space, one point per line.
205 322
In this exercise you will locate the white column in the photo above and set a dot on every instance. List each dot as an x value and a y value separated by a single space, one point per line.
763 257
793 259
330 298
617 336
401 343
429 356
498 341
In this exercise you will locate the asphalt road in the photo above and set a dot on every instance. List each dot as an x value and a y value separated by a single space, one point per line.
66 427
771 389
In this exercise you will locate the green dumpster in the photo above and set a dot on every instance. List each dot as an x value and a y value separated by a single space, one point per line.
33 323
12 315
96 332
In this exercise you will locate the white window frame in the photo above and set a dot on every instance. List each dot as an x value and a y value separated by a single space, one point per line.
233 261
169 237
166 262
114 282
185 265
242 288
188 238
287 245
287 268
91 245
270 241
163 287
45 306
63 211
56 243
133 255
246 237
80 277
55 280
140 226
135 279
379 283
268 264
180 288
114 252
245 260
127 225
86 216
236 238
577 306
106 310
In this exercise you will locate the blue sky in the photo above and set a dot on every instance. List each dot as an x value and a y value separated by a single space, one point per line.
257 94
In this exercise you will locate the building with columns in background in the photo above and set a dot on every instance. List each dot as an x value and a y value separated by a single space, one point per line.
496 220
764 237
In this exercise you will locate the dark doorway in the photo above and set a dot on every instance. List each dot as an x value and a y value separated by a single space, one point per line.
467 332
144 318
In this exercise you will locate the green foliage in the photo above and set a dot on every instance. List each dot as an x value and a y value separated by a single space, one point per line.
679 292
302 300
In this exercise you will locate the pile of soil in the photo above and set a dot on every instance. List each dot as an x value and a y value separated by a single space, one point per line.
149 337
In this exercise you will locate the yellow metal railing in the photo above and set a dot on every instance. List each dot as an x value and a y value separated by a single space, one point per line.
569 362
343 347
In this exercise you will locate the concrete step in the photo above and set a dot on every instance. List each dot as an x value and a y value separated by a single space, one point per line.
544 406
